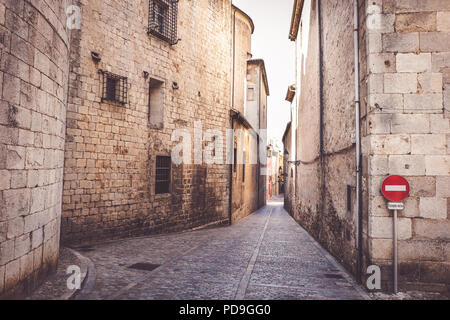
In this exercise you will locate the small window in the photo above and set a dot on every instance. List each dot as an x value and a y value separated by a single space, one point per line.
114 87
163 20
349 198
163 165
235 159
243 168
156 104
213 144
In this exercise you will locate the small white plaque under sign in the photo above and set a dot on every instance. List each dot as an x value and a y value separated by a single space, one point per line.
396 206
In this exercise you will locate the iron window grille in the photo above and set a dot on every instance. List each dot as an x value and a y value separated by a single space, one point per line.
114 87
163 166
162 20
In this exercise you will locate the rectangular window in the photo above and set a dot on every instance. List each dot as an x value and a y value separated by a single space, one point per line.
163 165
163 20
114 87
156 104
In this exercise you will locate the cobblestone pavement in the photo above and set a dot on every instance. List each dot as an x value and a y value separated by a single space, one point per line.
265 256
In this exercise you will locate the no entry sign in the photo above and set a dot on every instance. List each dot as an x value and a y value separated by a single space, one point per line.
395 188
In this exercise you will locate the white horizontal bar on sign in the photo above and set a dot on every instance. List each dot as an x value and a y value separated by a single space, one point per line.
395 188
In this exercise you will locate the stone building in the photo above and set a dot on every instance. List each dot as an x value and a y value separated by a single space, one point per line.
249 122
288 170
404 84
119 179
89 119
34 71
116 152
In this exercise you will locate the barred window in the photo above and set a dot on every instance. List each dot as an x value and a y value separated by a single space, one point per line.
163 20
162 174
114 87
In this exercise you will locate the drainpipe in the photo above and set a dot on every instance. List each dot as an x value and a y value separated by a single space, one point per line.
321 110
358 142
234 57
258 138
295 114
230 200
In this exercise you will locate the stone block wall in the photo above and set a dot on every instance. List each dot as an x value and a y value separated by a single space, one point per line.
407 133
307 197
338 223
109 180
404 69
34 51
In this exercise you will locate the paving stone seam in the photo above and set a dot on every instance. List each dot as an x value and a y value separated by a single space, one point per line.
240 293
278 286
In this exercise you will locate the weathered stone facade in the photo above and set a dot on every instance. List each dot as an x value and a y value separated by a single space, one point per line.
407 131
323 161
34 49
71 158
404 61
109 180
249 119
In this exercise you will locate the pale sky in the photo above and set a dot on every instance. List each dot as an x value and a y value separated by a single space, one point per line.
271 42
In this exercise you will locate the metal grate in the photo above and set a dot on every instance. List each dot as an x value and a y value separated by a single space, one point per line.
86 249
163 165
144 266
114 87
162 19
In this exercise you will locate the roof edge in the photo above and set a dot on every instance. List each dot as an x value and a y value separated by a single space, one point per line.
295 19
263 66
288 127
246 16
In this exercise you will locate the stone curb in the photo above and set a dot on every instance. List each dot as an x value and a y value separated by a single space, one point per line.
87 278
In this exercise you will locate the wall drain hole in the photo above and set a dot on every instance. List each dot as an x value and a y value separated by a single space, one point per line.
144 266
86 249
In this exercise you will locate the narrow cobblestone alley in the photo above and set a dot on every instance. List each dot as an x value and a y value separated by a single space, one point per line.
265 256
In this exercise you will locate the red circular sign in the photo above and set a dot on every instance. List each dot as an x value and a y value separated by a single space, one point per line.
395 188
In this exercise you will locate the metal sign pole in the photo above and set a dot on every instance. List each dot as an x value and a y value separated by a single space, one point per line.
395 253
